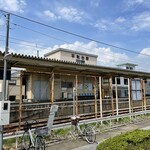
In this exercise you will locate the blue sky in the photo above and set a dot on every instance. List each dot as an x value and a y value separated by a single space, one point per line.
123 23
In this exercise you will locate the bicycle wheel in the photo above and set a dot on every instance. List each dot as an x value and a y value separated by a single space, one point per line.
89 134
39 143
74 131
26 142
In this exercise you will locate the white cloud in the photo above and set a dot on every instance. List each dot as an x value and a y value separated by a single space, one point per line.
105 55
95 3
145 51
12 5
141 22
104 24
50 15
110 24
120 20
64 13
70 14
131 4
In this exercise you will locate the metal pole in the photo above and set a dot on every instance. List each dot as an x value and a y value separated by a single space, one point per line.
4 76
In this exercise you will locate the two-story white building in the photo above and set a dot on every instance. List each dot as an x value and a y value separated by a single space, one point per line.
72 56
122 83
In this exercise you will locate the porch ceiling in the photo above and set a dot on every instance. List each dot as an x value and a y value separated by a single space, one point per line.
47 65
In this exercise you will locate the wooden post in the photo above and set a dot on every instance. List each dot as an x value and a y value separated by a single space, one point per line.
129 94
76 84
100 96
52 88
141 93
116 95
20 102
144 92
111 94
95 97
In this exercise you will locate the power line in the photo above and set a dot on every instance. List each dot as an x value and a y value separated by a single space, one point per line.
52 38
74 34
61 39
71 34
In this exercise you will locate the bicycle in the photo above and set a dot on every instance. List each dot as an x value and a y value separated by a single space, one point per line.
87 132
35 141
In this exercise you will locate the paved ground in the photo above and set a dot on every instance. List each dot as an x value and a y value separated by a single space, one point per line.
82 145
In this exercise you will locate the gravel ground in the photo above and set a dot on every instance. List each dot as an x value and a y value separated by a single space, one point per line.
80 144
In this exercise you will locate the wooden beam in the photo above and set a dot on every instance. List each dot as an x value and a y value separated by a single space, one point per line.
20 103
129 94
76 84
52 88
95 97
116 88
111 94
100 96
141 93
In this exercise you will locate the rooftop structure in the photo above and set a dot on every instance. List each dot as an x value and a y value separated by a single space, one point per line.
128 66
72 56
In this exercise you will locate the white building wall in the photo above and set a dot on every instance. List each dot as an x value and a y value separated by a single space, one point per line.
67 56
55 56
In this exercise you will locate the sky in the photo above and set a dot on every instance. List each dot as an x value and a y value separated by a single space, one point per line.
122 23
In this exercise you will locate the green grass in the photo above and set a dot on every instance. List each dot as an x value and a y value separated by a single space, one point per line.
135 140
9 142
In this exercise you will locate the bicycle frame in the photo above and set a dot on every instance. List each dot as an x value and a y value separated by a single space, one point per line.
31 138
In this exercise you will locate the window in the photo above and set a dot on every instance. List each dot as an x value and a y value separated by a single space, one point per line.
125 81
136 89
118 80
78 57
126 93
72 55
113 80
82 57
105 80
131 68
66 84
87 58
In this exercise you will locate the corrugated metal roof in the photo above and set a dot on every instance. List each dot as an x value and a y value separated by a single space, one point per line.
25 61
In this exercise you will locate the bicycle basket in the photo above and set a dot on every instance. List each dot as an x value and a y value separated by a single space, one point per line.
41 131
74 122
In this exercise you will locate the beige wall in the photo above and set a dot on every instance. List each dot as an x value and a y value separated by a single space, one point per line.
67 56
85 86
55 56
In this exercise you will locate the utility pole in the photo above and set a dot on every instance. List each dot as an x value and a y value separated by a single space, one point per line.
4 75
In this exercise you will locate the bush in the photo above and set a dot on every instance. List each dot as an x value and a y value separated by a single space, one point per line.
135 140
